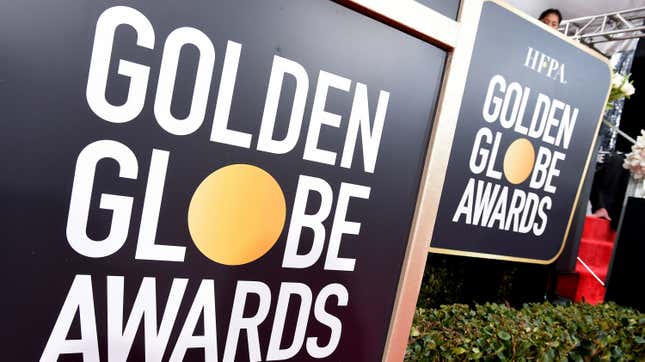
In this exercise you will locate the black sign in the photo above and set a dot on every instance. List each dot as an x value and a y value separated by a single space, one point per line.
528 118
206 180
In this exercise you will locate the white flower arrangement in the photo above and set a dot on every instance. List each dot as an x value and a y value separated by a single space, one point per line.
621 87
635 160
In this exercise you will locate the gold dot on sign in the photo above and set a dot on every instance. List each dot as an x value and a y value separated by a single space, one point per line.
518 161
236 214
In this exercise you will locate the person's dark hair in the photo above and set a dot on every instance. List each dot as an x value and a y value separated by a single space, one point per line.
546 12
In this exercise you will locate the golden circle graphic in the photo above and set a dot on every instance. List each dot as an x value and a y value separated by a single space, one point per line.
236 214
518 161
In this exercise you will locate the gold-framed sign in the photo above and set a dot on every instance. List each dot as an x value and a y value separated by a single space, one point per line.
207 180
528 121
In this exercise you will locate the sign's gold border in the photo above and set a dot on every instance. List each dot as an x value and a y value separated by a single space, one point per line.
411 17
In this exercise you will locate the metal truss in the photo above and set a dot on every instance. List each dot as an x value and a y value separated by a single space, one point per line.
619 25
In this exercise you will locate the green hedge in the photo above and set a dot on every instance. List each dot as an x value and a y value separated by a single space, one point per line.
541 332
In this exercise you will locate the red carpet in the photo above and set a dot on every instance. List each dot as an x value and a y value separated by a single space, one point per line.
595 251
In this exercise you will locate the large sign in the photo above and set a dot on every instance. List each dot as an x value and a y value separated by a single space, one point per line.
528 119
206 180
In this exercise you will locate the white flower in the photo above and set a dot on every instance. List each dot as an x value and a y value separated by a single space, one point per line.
627 89
617 80
635 160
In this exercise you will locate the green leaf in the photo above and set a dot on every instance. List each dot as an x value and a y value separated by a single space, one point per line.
504 335
575 357
549 356
458 350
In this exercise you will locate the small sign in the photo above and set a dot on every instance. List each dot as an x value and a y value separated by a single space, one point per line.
528 119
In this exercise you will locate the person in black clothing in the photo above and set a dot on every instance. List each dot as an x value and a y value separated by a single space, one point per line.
608 189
